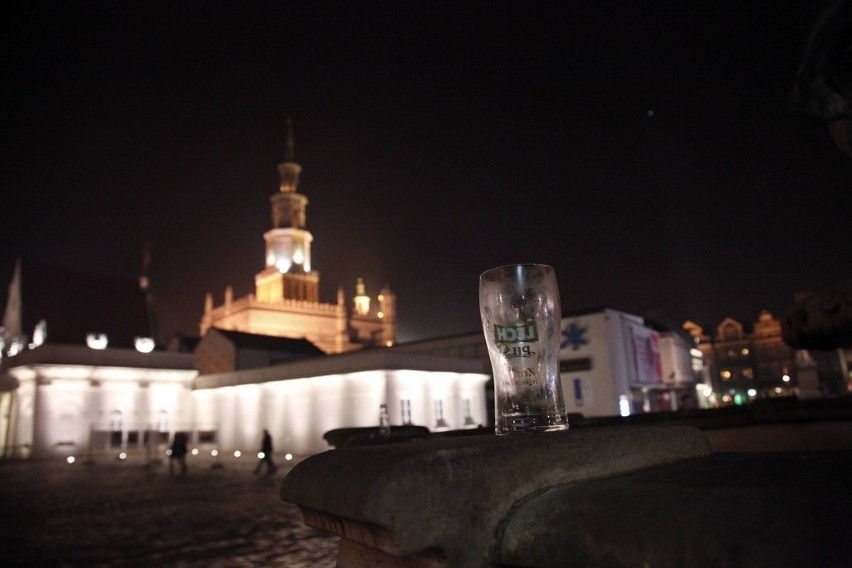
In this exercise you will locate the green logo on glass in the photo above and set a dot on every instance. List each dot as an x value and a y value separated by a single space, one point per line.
526 333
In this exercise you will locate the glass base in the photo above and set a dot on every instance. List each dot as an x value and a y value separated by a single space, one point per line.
530 423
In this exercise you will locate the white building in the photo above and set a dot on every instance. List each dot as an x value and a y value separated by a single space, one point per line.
611 363
77 401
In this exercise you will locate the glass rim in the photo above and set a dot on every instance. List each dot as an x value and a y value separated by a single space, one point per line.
505 267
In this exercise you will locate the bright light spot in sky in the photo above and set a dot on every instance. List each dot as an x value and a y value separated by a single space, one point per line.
97 341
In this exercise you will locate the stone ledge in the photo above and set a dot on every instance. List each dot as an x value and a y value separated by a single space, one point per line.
736 509
440 502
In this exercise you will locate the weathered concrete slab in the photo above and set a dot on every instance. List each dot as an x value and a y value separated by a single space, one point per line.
440 502
737 509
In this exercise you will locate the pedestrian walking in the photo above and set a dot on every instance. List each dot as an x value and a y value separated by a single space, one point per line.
178 453
265 455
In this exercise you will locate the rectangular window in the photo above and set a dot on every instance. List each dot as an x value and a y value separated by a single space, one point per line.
207 436
575 365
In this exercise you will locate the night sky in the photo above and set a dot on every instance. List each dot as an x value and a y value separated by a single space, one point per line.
647 150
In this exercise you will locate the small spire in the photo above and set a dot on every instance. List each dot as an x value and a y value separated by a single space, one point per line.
290 154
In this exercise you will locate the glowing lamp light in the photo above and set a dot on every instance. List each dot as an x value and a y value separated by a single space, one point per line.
143 344
752 392
283 265
786 378
288 456
15 347
237 453
195 451
168 452
623 406
260 455
214 453
70 459
122 456
97 341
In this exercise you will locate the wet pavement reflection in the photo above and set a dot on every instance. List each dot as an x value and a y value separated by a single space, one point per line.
131 514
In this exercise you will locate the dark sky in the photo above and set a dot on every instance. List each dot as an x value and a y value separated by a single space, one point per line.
645 149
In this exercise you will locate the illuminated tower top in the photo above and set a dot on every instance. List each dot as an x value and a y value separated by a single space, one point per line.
288 273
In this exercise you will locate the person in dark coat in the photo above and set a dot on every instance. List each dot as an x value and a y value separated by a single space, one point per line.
178 453
266 455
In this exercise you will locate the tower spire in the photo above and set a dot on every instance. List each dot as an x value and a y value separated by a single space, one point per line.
289 170
290 153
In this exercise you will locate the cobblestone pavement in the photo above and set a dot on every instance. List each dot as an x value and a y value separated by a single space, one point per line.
114 513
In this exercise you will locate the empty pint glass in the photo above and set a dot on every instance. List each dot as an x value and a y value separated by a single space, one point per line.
521 317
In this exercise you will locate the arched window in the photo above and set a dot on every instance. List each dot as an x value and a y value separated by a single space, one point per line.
162 426
115 421
162 421
115 427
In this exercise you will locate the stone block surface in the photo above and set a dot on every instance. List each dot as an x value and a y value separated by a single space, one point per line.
736 509
444 501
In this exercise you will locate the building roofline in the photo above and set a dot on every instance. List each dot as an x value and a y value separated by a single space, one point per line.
380 359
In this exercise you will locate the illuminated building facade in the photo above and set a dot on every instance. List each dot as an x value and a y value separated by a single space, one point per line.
610 362
744 365
79 380
286 301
